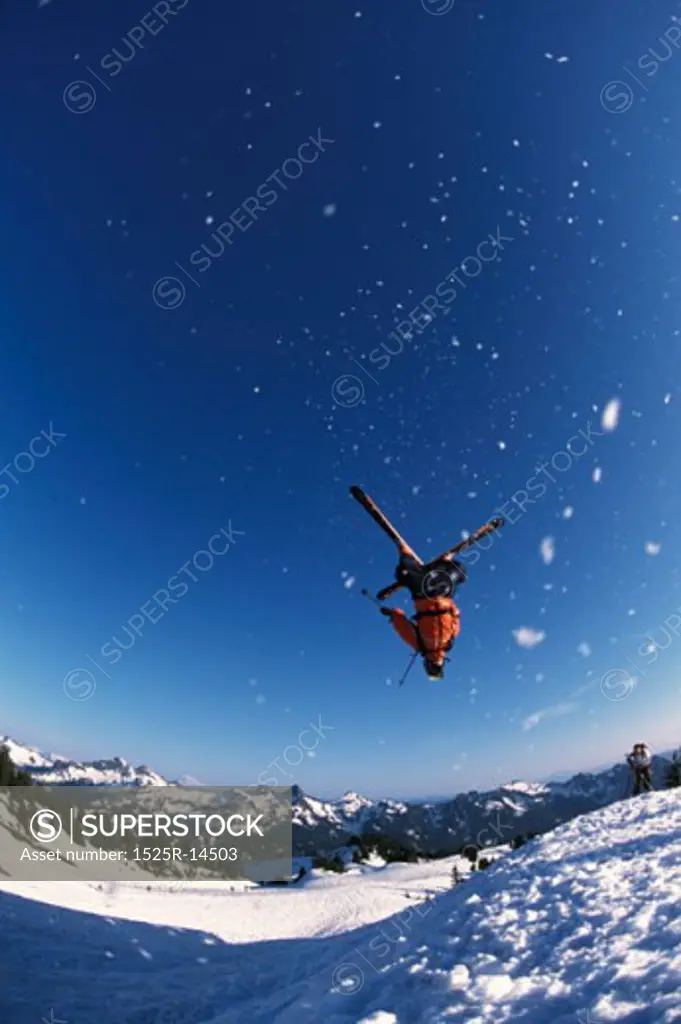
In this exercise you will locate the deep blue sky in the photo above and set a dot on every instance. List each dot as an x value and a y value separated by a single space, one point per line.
445 128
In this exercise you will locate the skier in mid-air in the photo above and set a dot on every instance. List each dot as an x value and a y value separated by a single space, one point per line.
436 623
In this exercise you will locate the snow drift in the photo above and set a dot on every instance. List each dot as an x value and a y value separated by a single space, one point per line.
583 924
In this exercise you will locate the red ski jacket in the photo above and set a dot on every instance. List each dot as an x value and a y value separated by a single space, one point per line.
437 627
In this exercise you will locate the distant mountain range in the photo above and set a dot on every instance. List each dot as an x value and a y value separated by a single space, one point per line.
432 828
55 770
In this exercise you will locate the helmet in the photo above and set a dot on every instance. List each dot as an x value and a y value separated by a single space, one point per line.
433 670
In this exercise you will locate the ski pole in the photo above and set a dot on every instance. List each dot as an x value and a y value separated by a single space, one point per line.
372 599
409 668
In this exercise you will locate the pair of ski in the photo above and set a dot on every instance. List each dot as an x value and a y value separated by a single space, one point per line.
385 524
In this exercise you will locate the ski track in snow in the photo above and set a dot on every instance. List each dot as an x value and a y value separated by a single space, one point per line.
583 924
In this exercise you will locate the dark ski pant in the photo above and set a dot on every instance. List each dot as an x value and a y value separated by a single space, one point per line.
642 780
440 580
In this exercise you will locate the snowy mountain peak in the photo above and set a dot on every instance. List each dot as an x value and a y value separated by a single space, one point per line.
112 764
55 769
27 757
352 803
184 780
524 787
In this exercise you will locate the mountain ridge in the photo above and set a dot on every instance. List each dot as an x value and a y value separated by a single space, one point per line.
431 828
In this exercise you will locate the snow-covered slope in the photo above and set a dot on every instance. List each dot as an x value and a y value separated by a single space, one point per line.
580 925
324 904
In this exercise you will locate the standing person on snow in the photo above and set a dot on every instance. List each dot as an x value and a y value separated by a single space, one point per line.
437 621
639 761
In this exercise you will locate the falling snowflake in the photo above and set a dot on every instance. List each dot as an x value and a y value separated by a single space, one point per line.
611 414
330 209
584 649
651 548
597 474
527 637
547 550
568 512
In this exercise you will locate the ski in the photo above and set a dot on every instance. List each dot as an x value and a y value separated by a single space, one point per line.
374 511
488 528
381 519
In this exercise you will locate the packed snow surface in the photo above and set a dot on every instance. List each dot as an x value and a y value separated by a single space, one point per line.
583 924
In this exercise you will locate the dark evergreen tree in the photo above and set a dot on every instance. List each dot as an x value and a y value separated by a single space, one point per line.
329 864
389 849
519 841
10 775
470 852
